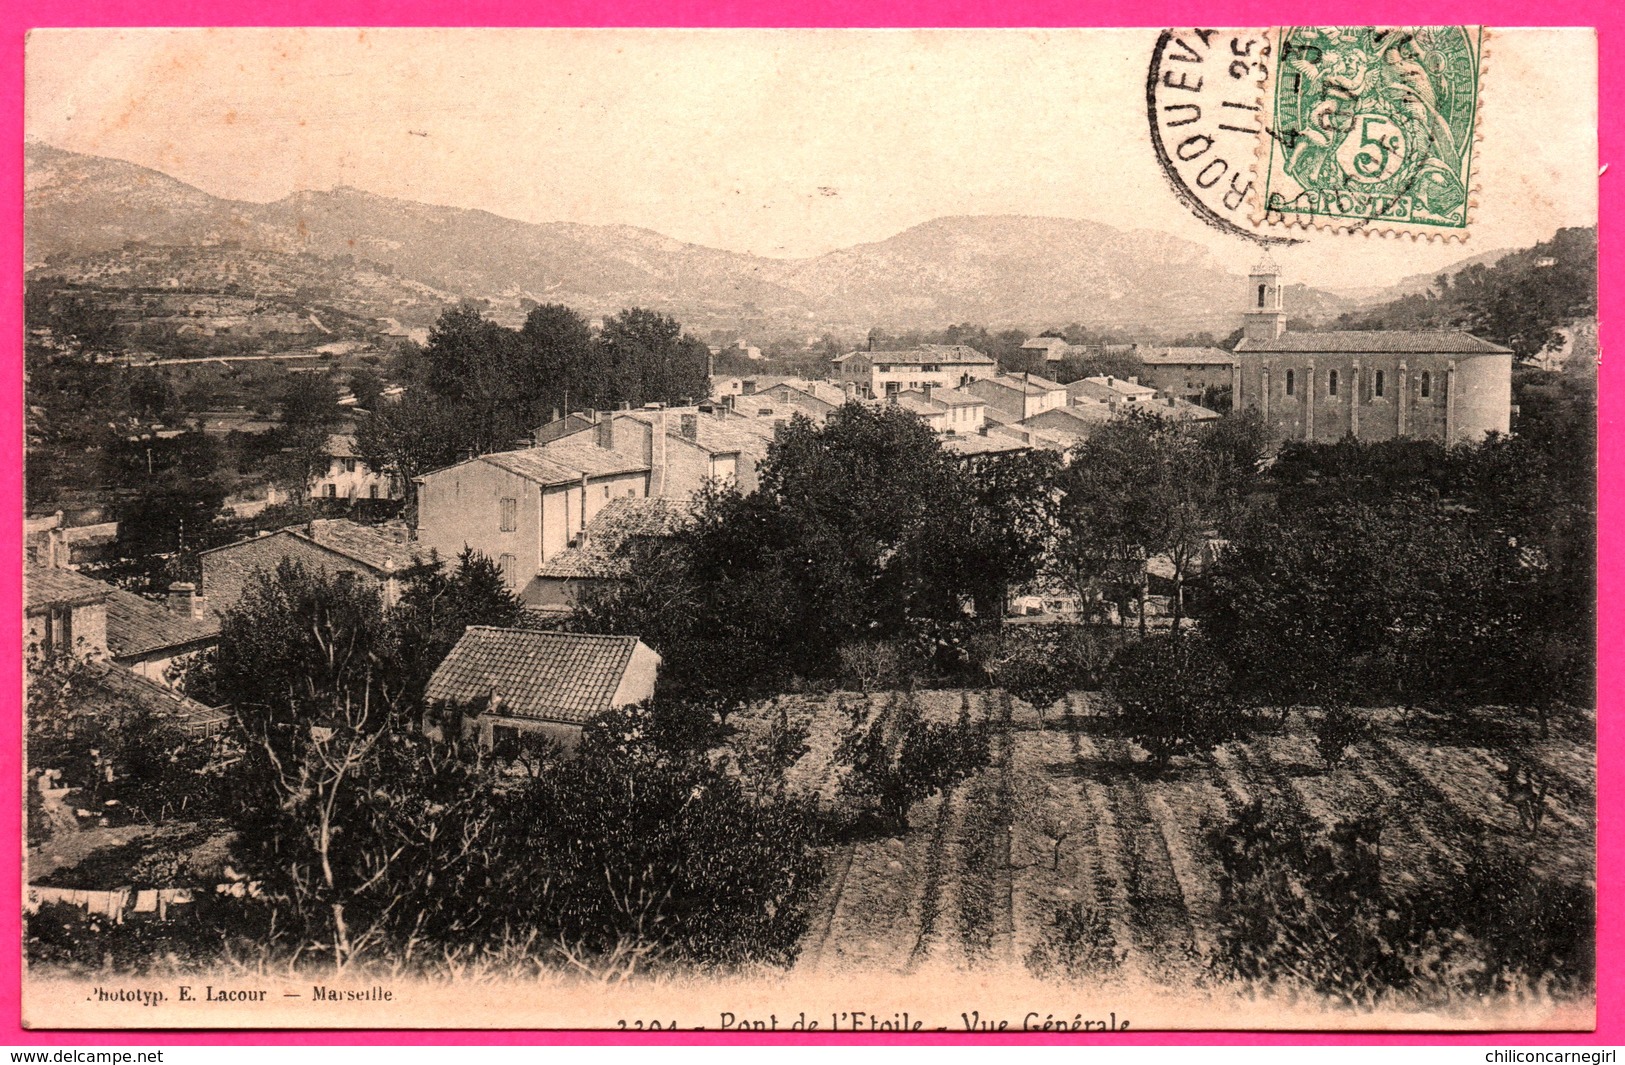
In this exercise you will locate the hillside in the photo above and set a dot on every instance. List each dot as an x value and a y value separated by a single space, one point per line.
1002 271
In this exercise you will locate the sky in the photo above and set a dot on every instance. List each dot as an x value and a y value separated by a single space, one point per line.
784 143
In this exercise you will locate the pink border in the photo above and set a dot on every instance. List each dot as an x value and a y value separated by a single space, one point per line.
20 15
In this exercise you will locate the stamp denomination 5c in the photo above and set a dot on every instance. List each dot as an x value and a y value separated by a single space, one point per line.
1371 128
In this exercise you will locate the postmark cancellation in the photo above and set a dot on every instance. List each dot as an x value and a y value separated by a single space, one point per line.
1369 129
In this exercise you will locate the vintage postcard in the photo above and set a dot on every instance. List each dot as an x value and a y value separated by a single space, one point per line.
811 530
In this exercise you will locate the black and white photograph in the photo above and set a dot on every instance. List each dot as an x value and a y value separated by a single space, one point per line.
831 531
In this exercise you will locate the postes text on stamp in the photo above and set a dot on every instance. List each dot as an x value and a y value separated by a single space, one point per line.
1371 128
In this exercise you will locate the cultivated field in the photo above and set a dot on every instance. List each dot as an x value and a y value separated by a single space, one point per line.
977 879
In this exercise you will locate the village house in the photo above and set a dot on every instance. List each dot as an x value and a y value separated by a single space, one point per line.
348 476
1185 372
1071 424
683 448
604 552
1114 392
376 554
520 508
63 611
1447 386
1020 395
815 399
1054 348
152 638
877 374
950 411
498 685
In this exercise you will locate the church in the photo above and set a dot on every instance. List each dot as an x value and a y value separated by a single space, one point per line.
1446 386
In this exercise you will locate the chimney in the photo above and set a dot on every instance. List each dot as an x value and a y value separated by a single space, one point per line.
606 432
184 600
691 426
626 404
657 455
927 387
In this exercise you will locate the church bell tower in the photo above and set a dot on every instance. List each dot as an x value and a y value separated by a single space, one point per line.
1266 317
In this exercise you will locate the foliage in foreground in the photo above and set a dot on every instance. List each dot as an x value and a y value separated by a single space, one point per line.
1306 909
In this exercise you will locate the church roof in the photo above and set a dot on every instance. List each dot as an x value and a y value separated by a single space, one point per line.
1266 265
1375 342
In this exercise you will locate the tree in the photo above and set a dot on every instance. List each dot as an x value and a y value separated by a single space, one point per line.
437 604
418 434
1006 522
649 360
1139 486
850 536
1041 664
367 387
559 363
1171 698
630 854
894 758
301 645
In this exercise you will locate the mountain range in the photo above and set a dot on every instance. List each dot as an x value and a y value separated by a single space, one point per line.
997 270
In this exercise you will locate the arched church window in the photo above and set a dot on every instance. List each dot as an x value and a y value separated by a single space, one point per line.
1289 382
1427 384
1377 384
1261 290
1331 383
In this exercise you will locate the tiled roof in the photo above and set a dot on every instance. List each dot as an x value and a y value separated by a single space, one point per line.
724 436
44 587
1046 343
1034 384
958 397
954 354
1376 342
110 685
552 676
379 546
604 552
1185 357
918 403
580 452
136 625
1108 387
977 444
556 462
817 390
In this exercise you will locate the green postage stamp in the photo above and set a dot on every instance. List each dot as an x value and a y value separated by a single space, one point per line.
1371 128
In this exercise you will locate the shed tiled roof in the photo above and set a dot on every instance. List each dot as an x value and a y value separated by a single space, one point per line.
946 354
44 586
1376 342
978 444
1201 356
1034 384
137 626
604 552
580 454
551 676
109 685
380 547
